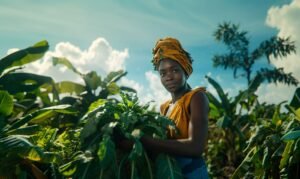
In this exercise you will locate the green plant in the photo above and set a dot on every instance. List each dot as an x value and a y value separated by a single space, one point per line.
94 88
104 123
241 58
273 148
228 127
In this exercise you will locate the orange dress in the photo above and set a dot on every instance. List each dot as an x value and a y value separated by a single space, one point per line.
180 113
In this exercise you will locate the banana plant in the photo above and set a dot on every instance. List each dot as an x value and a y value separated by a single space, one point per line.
94 88
26 87
232 116
19 150
23 118
273 148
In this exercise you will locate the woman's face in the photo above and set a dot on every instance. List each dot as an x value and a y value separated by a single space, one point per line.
172 75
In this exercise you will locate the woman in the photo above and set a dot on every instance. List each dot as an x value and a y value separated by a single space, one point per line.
188 108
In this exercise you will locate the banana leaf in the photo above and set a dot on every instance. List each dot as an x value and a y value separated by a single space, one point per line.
66 63
6 103
23 82
24 56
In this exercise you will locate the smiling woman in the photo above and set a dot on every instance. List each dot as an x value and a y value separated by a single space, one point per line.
188 109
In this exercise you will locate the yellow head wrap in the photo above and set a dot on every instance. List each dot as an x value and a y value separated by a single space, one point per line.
170 48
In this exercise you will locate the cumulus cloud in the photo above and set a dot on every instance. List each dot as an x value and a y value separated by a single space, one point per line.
286 20
156 90
99 57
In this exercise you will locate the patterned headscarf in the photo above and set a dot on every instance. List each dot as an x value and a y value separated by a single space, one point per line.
171 48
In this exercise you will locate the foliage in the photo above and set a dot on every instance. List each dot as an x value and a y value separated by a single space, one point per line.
45 136
105 124
228 127
95 88
250 139
273 150
241 58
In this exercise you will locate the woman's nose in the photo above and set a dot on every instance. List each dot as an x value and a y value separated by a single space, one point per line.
169 76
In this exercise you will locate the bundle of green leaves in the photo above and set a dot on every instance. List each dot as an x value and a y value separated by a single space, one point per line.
104 125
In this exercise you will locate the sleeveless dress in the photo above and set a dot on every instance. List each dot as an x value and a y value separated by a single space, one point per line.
179 113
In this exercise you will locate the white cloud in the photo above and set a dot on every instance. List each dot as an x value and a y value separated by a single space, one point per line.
99 57
286 20
156 91
12 50
275 94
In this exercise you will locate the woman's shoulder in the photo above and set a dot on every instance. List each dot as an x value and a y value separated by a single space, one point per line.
187 97
202 89
199 99
195 94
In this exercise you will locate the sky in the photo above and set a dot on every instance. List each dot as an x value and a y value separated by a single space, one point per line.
105 36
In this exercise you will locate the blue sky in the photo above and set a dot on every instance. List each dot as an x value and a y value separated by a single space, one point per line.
128 29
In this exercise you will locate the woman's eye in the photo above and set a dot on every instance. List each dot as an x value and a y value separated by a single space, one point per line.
162 74
175 70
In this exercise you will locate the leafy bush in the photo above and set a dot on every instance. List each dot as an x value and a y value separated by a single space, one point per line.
103 125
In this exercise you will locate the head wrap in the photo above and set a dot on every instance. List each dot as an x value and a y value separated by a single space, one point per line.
170 48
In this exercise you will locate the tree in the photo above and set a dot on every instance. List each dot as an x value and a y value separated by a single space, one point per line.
241 58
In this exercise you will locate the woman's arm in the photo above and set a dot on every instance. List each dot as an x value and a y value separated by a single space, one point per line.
192 146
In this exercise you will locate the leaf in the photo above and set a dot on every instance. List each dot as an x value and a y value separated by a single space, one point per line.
276 119
106 152
266 158
286 154
70 87
293 111
295 102
255 83
69 169
92 80
166 167
89 128
222 95
28 130
114 76
257 137
46 137
23 82
48 113
113 88
35 154
66 63
249 92
19 145
127 89
41 114
95 105
51 157
224 122
291 135
277 75
244 166
24 56
213 100
6 103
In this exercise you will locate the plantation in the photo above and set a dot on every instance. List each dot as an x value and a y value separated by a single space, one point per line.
65 129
